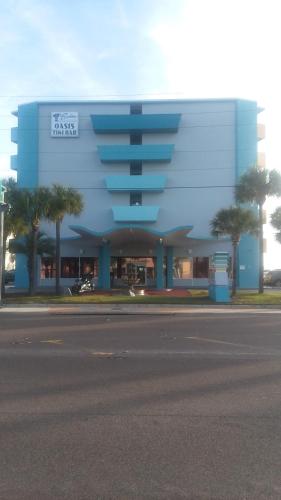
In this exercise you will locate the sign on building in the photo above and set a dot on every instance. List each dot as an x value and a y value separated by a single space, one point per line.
64 124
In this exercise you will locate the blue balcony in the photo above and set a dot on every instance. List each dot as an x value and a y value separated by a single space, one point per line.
14 162
144 153
14 134
135 213
128 124
136 183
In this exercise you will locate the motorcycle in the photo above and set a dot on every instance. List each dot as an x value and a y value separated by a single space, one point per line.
82 285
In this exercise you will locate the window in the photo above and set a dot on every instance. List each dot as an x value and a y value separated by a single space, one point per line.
182 268
135 198
136 109
135 139
136 168
69 267
89 265
200 267
48 268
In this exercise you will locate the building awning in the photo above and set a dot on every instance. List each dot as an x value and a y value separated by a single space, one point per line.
133 234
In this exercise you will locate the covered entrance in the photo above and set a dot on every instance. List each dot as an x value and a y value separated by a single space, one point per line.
139 271
131 255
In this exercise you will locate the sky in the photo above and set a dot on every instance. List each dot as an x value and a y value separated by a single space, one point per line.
143 49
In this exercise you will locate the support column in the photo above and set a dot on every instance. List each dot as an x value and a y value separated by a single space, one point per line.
104 266
170 267
159 266
100 276
21 275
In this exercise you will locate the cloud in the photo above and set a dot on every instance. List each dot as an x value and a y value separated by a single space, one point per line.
122 15
62 52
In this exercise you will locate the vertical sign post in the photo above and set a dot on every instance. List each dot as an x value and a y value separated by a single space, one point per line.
3 208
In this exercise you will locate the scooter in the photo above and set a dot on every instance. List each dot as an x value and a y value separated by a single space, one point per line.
83 284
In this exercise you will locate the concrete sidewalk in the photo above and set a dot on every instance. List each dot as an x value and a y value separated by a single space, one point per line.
136 309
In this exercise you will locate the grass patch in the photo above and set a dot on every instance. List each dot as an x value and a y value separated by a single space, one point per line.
253 298
196 297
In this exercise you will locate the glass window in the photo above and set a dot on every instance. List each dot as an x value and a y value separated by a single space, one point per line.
89 265
136 168
182 268
200 267
135 198
135 139
48 268
136 109
70 267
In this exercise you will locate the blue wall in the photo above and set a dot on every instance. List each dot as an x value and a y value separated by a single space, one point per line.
246 157
27 165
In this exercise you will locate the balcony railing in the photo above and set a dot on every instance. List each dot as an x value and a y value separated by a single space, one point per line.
14 134
127 124
135 183
144 153
261 131
261 160
14 162
135 213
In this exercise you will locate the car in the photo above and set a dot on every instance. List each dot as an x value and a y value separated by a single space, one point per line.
9 277
272 278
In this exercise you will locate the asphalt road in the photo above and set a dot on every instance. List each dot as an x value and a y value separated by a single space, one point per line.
140 407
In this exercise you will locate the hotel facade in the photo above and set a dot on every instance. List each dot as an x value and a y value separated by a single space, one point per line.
152 175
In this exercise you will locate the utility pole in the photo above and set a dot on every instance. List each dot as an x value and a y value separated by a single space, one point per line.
3 208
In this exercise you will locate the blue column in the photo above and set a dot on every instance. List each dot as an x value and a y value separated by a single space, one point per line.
27 164
104 266
170 266
21 275
245 156
100 276
159 266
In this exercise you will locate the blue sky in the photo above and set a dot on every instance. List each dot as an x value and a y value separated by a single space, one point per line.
157 48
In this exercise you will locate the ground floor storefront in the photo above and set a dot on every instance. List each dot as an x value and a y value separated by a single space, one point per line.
165 271
130 256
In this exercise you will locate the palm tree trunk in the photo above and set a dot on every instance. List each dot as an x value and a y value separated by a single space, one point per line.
3 267
234 268
260 248
58 266
33 267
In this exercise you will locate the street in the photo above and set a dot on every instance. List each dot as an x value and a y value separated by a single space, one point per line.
140 406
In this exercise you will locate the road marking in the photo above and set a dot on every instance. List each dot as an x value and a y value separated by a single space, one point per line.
102 354
52 341
201 339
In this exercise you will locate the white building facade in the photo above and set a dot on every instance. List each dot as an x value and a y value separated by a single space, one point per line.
152 175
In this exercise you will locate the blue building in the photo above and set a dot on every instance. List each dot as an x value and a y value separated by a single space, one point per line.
152 174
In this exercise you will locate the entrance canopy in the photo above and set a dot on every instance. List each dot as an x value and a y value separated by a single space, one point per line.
134 234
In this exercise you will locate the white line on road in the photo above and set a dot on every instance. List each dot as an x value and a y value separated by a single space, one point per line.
201 339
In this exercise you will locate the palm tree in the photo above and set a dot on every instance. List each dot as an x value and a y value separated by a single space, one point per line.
276 222
25 246
254 187
14 223
33 205
234 221
64 201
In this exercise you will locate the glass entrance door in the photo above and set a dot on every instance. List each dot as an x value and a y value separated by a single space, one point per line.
141 275
127 271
